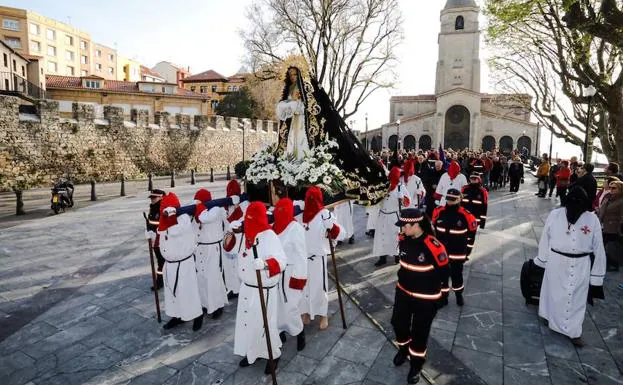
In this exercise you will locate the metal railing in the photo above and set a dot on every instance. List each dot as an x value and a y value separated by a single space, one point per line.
13 83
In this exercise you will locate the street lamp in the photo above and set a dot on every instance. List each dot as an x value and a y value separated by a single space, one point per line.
590 92
367 139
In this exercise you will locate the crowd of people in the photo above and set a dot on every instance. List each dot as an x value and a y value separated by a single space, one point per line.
428 223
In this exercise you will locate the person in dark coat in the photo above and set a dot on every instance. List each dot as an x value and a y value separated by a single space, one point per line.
430 184
496 173
515 174
153 221
587 181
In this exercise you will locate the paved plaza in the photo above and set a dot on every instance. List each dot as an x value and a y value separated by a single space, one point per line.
75 308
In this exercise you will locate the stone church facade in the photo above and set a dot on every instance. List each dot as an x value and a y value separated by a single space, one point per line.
457 115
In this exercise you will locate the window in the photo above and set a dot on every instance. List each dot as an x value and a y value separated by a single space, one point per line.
69 40
6 84
228 88
52 66
83 44
234 88
458 63
6 59
459 23
35 46
98 53
69 55
51 34
23 71
193 88
203 89
98 67
34 29
92 84
10 24
14 65
84 59
14 42
83 73
70 71
214 88
164 90
111 57
51 50
111 70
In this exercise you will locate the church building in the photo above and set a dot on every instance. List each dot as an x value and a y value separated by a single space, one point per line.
457 115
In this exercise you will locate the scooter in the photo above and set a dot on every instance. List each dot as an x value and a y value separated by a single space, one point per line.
60 199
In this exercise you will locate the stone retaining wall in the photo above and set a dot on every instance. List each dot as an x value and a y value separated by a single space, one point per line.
37 149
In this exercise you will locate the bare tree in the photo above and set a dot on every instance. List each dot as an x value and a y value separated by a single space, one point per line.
603 20
536 52
348 44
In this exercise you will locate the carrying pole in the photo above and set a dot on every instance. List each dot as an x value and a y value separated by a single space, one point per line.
338 288
153 274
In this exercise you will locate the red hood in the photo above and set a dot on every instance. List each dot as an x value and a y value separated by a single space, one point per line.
283 214
453 170
202 195
233 188
255 221
409 169
314 202
394 178
169 200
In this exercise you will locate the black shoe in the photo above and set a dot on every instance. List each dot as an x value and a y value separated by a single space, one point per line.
459 299
382 260
413 377
300 341
173 322
351 240
282 337
205 310
244 363
396 259
217 313
339 243
267 368
401 357
231 295
197 323
371 233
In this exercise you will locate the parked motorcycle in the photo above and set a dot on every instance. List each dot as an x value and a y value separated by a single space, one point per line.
62 196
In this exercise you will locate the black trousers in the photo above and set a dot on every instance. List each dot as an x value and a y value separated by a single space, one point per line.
607 239
160 261
456 275
412 319
552 184
514 184
562 193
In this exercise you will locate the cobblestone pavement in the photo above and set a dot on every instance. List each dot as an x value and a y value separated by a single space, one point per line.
75 308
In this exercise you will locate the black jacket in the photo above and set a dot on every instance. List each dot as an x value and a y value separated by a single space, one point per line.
424 268
476 201
515 170
589 184
456 230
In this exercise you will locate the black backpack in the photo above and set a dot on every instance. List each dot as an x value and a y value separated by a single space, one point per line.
531 279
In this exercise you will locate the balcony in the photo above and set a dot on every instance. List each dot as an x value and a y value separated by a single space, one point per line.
12 84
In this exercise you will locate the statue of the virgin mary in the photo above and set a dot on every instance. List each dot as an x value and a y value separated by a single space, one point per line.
307 116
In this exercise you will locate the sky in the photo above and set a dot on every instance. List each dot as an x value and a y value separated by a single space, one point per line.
204 34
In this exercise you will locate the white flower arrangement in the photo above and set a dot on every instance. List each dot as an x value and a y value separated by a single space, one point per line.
316 168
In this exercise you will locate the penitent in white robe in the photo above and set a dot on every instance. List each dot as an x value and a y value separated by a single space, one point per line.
315 299
209 258
416 191
565 283
177 245
344 214
445 184
386 233
230 260
249 339
373 214
293 242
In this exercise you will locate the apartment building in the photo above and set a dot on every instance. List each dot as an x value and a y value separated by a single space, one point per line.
105 62
128 70
150 96
149 75
172 73
20 74
214 85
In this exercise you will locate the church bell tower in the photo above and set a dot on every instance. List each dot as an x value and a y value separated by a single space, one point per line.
458 65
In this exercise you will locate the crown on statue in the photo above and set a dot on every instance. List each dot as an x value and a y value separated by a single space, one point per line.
297 61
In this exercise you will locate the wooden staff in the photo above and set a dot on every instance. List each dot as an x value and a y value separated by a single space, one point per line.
337 281
271 361
153 274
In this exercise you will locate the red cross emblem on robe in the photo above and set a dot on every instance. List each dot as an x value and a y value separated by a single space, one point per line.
585 230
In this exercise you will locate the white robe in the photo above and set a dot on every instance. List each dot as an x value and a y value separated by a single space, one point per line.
315 299
373 214
230 262
209 258
177 245
249 339
293 242
386 233
416 190
446 184
294 109
344 214
565 283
